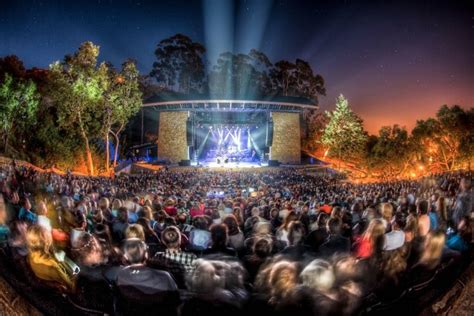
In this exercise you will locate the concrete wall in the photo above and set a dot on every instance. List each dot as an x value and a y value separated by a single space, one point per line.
286 146
172 142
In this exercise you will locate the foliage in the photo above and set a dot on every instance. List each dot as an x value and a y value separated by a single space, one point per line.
344 135
297 79
122 100
179 64
76 88
18 106
312 130
180 67
390 153
447 140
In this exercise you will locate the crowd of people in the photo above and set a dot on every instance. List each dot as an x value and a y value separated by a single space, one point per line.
274 241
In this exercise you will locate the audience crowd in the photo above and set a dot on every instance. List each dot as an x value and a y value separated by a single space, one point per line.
198 242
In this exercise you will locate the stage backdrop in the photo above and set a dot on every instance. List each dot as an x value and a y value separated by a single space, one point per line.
286 146
172 143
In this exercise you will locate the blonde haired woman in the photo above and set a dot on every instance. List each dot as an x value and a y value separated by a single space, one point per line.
42 260
429 259
372 240
431 255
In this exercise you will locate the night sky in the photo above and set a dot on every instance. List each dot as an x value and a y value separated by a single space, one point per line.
394 62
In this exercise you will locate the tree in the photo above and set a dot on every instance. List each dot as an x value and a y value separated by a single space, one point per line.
77 90
13 66
179 62
445 140
391 152
312 128
344 135
297 79
122 100
18 105
283 77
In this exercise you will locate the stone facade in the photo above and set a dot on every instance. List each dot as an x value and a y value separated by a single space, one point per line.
286 146
172 142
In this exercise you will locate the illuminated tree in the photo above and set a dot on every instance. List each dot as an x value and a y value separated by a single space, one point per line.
389 153
344 135
122 100
446 140
18 105
77 89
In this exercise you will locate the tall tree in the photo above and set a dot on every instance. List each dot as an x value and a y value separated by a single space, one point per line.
18 105
122 100
77 91
344 135
297 79
179 65
283 77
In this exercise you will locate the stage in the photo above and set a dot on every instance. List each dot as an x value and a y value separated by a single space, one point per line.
229 165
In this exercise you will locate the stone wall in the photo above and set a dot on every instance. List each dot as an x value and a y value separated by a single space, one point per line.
286 146
172 142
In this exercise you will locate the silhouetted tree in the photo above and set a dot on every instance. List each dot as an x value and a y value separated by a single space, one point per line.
179 65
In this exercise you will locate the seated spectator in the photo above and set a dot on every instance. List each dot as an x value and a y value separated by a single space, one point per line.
296 250
423 219
371 243
396 238
170 208
219 246
120 224
141 287
429 259
78 229
335 243
386 209
319 235
151 238
179 263
200 236
209 294
43 261
261 252
235 236
26 213
283 230
135 231
4 229
275 285
317 287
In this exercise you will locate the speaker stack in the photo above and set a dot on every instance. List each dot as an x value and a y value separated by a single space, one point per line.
189 132
269 138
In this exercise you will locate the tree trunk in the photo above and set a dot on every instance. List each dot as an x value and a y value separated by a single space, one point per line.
90 162
117 142
107 153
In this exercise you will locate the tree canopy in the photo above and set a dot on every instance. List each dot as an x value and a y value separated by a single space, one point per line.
344 135
180 66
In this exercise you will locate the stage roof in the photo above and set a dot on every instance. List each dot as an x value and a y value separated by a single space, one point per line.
174 101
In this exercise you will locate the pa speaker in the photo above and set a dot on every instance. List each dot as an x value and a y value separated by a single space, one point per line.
269 139
273 163
189 132
184 163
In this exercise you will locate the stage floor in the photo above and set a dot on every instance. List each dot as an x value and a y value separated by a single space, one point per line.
230 165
